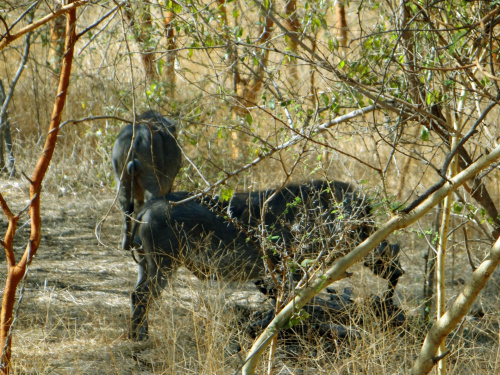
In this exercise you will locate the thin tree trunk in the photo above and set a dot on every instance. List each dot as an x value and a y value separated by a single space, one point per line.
430 271
17 271
231 60
312 82
3 124
443 244
440 273
342 28
56 46
250 91
141 26
5 136
11 162
171 46
292 24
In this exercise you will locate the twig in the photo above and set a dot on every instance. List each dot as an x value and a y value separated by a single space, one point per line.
471 262
284 146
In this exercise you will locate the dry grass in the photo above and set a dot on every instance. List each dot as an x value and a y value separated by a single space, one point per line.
74 314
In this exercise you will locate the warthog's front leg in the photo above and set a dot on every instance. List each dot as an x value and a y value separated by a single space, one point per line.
139 304
149 286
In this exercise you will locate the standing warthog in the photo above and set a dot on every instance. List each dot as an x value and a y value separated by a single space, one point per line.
146 160
315 222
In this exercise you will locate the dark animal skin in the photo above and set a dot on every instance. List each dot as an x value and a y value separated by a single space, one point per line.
145 163
211 237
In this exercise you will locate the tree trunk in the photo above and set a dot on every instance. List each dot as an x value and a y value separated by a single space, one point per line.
251 89
141 26
17 271
3 124
430 271
56 47
342 28
292 24
171 46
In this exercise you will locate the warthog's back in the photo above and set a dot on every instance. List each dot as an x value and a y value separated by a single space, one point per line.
229 238
193 235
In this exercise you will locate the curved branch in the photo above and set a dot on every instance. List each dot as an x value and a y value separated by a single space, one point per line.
442 328
42 21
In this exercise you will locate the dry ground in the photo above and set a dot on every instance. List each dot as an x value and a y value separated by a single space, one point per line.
74 312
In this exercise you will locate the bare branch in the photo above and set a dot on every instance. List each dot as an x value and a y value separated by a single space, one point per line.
42 21
439 330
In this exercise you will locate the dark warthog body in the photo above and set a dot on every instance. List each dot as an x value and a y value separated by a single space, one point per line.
225 239
145 163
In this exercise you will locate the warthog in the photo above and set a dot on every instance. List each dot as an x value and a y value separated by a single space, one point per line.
302 225
145 162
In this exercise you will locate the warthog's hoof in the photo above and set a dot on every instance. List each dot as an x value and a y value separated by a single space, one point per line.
139 333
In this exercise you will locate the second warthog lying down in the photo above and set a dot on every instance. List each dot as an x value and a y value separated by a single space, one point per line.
240 239
146 159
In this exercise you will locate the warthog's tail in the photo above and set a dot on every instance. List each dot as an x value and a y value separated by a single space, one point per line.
133 169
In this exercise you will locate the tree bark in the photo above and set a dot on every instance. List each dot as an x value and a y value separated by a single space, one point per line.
342 28
251 88
292 24
171 54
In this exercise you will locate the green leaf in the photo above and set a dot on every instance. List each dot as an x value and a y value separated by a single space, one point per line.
424 133
159 66
226 194
325 99
249 119
308 262
457 207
